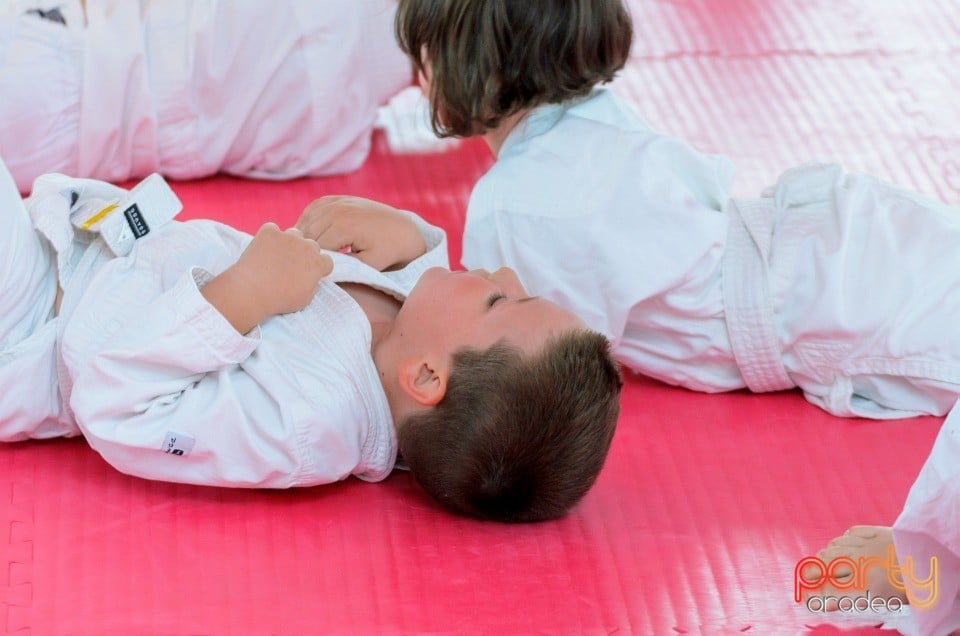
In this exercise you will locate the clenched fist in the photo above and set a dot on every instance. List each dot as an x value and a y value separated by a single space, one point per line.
377 234
283 269
278 273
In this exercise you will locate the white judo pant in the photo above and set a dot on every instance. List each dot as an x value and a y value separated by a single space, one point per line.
30 404
41 248
848 287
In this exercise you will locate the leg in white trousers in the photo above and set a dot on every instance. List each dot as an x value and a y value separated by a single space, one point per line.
29 401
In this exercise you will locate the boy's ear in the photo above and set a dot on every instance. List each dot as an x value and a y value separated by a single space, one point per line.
424 380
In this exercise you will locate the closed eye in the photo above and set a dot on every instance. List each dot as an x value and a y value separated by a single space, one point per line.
494 299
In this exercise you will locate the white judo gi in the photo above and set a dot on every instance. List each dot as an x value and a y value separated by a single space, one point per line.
188 88
928 526
840 284
153 376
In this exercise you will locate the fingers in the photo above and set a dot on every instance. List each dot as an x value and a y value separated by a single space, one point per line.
298 234
337 238
865 532
321 213
321 263
271 233
268 227
317 216
372 232
338 232
315 224
292 232
325 265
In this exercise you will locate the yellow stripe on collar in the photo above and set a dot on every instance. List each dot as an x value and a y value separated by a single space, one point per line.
99 216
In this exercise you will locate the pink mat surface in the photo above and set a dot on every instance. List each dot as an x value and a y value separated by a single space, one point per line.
706 503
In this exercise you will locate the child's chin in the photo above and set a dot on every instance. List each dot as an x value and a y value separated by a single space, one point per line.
427 277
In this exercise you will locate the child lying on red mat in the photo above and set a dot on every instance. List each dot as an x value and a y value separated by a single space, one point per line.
839 284
194 353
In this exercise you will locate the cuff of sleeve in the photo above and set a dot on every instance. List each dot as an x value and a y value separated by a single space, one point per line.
216 331
435 256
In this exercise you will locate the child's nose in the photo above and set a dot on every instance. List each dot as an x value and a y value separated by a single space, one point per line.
508 279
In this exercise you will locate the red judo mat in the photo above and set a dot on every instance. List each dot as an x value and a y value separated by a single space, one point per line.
706 502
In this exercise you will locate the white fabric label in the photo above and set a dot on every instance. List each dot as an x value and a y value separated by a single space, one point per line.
177 444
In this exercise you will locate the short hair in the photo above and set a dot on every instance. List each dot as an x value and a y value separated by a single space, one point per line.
517 438
490 59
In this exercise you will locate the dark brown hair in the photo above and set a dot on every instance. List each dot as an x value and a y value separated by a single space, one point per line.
518 438
489 59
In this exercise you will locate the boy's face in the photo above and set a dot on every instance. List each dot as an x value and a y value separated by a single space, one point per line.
449 311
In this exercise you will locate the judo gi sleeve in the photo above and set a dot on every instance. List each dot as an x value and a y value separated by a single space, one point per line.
167 399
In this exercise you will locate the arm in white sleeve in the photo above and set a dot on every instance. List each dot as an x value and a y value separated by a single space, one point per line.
167 399
927 533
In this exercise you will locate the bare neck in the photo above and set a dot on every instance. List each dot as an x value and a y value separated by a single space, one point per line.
386 359
496 136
